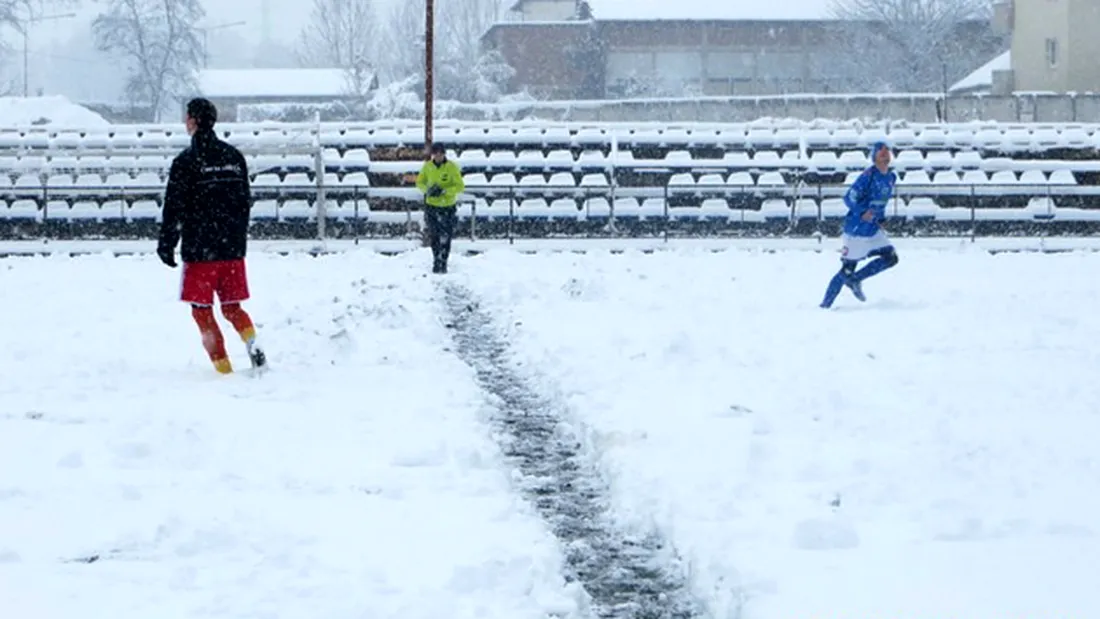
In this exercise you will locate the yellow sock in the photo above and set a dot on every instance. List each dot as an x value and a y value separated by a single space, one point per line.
223 366
248 334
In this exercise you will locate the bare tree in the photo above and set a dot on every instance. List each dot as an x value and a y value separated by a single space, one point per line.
464 71
341 35
463 22
913 45
17 15
403 40
13 12
467 71
160 44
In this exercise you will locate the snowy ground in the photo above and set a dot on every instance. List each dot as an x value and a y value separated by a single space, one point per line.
355 480
928 454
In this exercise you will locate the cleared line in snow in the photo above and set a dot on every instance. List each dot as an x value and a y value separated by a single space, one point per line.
625 575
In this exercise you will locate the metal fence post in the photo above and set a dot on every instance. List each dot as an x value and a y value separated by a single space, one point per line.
473 220
511 214
319 171
820 215
973 215
612 173
668 215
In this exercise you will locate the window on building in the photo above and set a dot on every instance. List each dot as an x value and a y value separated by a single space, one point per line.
624 65
1052 52
678 65
780 65
737 65
630 74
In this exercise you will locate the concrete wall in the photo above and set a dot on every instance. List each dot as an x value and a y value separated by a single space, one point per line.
913 108
1036 21
1084 70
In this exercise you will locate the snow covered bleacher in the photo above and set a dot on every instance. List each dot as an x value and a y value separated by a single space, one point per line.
562 178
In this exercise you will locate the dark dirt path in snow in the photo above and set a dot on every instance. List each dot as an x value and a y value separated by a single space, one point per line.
625 575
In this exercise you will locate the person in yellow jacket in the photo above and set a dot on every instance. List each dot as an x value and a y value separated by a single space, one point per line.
440 180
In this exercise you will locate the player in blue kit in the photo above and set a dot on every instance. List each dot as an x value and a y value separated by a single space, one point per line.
863 234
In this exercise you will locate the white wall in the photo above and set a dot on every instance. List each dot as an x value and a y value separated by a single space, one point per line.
1084 38
1036 21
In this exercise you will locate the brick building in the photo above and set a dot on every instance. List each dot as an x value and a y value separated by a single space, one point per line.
566 49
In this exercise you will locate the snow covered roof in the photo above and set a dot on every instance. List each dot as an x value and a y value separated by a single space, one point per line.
54 111
774 10
982 77
240 83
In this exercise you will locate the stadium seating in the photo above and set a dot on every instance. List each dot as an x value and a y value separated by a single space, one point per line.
765 177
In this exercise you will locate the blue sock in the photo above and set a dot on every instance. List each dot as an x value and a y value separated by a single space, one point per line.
835 286
876 266
847 267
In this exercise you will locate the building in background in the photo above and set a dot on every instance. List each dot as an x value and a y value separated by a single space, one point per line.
231 89
607 49
992 77
1055 46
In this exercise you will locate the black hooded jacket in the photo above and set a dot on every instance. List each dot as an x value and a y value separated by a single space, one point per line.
207 201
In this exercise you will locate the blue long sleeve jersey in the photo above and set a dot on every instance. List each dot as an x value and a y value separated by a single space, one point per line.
872 190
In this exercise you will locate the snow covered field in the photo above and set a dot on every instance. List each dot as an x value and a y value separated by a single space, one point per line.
930 453
354 480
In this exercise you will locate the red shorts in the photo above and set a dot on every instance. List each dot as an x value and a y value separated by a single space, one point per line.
201 280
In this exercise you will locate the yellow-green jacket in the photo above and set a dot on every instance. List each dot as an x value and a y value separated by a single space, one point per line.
448 176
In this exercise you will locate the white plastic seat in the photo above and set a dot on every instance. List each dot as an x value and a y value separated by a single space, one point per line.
1033 177
562 179
681 180
144 210
59 181
298 180
974 177
265 210
1062 177
296 209
25 210
916 177
740 179
771 179
558 159
85 210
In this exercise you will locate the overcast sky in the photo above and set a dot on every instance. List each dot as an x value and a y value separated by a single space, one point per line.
287 17
63 66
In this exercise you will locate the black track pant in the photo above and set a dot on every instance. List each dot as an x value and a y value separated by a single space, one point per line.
440 222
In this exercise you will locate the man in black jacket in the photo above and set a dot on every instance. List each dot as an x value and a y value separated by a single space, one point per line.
208 202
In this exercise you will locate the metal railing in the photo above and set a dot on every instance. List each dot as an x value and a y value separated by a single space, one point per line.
507 211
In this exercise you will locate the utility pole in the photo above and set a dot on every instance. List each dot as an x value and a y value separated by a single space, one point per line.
205 39
25 30
429 76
